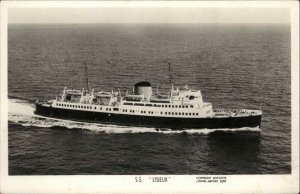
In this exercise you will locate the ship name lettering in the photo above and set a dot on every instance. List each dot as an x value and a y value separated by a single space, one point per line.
160 179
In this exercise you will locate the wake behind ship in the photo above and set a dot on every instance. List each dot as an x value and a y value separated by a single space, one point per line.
180 109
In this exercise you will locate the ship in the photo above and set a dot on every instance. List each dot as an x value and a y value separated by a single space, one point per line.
180 109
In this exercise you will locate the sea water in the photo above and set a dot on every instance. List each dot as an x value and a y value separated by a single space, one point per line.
234 66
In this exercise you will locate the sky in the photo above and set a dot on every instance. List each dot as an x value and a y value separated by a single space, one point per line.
148 15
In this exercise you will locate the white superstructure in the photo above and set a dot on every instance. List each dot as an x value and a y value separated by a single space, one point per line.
179 103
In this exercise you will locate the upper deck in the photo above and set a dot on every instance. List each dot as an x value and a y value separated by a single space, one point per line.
178 103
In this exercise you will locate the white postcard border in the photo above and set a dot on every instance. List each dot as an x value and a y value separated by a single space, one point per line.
176 183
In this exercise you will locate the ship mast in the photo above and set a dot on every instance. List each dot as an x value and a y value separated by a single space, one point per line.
171 79
86 78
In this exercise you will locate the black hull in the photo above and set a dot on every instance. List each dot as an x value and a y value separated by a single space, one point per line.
151 121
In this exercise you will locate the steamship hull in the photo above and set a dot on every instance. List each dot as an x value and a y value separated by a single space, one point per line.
174 123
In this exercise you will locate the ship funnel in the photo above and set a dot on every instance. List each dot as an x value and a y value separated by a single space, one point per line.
143 88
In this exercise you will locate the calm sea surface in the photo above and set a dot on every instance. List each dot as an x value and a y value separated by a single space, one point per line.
235 66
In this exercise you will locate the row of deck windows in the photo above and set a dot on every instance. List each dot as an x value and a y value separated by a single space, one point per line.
158 105
125 110
177 106
166 106
172 113
179 113
76 106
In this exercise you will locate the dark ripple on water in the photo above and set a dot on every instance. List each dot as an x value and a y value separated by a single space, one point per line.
235 66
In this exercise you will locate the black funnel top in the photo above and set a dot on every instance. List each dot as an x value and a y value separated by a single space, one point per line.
144 83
